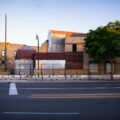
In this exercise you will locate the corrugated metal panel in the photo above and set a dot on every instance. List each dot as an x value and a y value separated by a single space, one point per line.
70 57
74 65
26 54
73 60
50 56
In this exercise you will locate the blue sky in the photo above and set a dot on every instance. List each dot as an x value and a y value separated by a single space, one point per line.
26 18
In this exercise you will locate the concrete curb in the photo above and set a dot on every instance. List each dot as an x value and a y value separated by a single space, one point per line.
56 81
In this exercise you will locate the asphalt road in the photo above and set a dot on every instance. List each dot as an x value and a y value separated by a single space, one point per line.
60 101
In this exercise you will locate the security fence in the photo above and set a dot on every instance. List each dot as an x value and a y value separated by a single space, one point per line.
61 71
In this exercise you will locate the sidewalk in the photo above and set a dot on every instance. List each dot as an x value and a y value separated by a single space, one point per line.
56 81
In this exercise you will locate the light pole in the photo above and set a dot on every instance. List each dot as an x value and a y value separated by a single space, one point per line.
37 38
5 42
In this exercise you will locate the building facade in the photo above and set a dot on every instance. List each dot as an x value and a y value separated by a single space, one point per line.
11 51
64 41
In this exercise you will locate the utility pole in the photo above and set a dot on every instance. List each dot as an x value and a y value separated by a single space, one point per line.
37 37
5 42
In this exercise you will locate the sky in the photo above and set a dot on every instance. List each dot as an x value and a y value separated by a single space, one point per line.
26 18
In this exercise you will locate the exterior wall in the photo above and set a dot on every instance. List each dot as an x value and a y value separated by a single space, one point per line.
68 47
85 61
74 40
79 41
73 63
11 48
102 68
56 42
44 47
50 64
23 67
80 47
26 54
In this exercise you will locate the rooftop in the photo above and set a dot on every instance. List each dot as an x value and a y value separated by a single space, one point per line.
66 33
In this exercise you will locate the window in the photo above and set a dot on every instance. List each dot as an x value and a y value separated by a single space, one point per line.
3 62
108 67
74 48
15 53
3 52
93 67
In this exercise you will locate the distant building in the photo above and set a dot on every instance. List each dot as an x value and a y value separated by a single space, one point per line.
65 41
11 55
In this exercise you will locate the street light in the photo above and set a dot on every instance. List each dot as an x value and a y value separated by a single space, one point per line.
5 42
37 38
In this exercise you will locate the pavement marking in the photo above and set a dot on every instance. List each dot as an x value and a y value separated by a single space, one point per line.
80 97
41 113
70 88
100 95
13 89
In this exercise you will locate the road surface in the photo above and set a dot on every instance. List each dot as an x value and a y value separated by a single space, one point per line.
60 101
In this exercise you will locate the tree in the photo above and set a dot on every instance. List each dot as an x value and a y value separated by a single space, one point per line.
103 43
114 25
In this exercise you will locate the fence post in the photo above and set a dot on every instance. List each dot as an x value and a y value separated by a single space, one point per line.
65 71
41 72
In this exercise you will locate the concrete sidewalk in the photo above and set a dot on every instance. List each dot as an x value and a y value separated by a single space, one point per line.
56 81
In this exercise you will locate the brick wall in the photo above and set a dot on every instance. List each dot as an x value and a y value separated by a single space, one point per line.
79 41
11 48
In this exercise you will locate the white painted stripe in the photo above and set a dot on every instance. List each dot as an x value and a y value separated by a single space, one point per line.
116 87
71 88
40 113
13 89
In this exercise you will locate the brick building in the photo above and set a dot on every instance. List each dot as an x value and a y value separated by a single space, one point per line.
11 55
63 52
65 41
71 45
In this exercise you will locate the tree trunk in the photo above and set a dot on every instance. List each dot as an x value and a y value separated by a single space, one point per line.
111 62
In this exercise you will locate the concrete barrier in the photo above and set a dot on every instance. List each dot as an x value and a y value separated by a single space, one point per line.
79 77
60 77
117 77
103 77
84 77
46 77
53 77
95 77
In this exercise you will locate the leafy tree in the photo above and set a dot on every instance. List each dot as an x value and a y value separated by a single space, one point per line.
103 43
114 25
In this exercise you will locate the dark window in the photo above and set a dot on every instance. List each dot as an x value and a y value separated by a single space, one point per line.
74 48
3 62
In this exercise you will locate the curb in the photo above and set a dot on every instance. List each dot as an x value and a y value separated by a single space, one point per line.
57 81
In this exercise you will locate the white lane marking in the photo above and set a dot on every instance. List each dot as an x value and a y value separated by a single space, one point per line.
41 113
71 88
117 87
13 89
